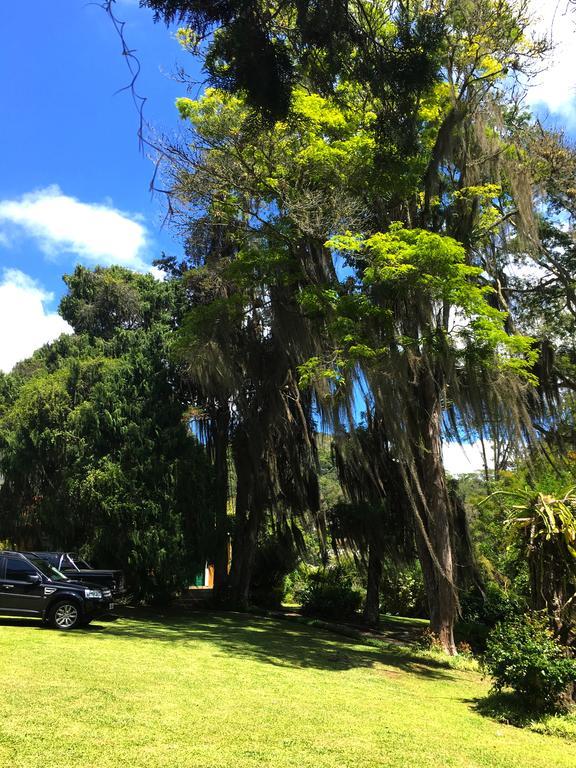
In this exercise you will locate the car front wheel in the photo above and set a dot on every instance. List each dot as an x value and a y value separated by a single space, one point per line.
65 615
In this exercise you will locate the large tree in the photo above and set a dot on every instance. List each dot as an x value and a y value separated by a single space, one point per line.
391 112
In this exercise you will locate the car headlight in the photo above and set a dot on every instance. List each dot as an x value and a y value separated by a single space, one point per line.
93 593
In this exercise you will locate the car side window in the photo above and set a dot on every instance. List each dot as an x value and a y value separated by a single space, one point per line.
52 559
17 570
67 562
2 566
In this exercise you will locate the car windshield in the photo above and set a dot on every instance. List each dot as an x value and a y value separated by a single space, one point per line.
47 569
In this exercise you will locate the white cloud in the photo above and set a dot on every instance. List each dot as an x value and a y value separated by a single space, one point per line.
97 234
555 88
157 274
25 325
462 459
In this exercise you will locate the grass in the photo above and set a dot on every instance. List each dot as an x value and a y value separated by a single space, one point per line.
229 691
506 708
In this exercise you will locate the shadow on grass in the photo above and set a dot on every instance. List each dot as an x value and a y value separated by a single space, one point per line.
17 622
507 707
510 709
269 641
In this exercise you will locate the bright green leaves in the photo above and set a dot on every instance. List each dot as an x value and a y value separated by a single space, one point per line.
407 263
320 145
318 112
486 344
406 260
349 319
216 116
416 292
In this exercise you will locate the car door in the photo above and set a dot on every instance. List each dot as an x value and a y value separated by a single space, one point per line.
4 599
21 596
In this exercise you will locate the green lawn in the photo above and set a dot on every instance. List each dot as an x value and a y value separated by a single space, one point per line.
214 691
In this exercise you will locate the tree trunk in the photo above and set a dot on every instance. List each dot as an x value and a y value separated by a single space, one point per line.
221 546
433 524
550 590
372 605
247 525
243 557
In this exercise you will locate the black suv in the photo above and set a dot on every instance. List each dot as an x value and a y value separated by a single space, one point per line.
31 587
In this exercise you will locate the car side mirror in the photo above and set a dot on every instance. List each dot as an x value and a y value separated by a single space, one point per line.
34 578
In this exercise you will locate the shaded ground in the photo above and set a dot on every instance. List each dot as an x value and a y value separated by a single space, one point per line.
247 636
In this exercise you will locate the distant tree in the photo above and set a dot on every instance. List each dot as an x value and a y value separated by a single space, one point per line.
102 301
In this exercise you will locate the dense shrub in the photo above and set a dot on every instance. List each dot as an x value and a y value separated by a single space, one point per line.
523 655
330 592
296 582
275 559
402 590
492 606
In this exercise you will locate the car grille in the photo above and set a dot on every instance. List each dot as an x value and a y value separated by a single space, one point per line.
107 593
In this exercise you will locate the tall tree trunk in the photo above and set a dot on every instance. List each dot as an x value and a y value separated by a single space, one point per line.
221 426
433 525
247 525
372 605
243 557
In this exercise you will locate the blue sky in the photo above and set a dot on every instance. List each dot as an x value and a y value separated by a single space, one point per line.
74 184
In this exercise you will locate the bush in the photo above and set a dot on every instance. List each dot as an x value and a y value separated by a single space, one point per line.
482 611
330 593
402 590
275 559
523 655
296 582
492 607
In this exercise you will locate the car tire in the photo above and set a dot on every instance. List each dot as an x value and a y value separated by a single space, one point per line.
65 615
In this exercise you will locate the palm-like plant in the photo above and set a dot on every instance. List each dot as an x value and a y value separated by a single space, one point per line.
547 528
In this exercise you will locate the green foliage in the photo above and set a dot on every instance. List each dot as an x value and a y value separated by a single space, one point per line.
330 592
276 557
262 50
403 133
423 268
523 655
95 451
492 606
102 301
548 519
541 529
402 590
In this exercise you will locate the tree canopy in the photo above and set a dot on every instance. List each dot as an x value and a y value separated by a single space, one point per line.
95 449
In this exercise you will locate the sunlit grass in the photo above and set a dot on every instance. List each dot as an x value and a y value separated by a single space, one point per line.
210 691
